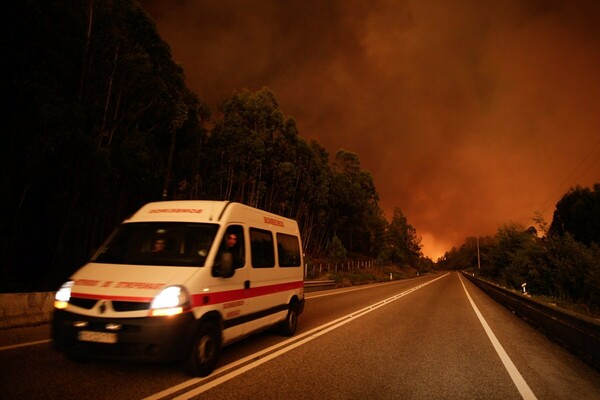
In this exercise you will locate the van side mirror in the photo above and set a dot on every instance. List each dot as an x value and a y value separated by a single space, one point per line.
225 268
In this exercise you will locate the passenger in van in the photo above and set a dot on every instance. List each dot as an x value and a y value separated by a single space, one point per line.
159 246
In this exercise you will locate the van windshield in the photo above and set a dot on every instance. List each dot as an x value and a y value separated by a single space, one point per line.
158 243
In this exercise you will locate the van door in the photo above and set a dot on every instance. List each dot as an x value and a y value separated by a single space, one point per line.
232 289
264 303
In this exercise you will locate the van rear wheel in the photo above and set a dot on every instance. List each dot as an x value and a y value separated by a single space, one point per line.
288 326
205 352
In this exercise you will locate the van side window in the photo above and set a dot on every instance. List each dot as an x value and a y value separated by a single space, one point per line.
288 250
261 245
233 242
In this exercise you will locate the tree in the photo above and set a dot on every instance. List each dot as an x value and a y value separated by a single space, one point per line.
353 203
337 252
578 213
466 256
573 270
404 245
509 255
247 146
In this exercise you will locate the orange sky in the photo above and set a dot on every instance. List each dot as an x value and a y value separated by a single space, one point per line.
469 114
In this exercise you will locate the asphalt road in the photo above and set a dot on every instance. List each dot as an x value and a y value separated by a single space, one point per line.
434 337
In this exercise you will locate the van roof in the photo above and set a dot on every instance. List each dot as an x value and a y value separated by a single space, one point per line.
209 211
180 210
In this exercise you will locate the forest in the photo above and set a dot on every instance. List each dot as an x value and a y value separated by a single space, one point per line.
559 261
100 121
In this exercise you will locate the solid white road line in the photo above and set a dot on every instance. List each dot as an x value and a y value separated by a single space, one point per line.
522 386
313 295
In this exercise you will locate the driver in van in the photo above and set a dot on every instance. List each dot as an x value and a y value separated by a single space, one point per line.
232 245
230 242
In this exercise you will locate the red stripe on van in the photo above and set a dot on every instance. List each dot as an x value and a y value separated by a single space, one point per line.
210 298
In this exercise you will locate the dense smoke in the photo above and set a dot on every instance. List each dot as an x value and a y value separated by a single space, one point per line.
469 114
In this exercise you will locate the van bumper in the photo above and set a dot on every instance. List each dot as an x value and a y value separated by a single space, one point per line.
149 339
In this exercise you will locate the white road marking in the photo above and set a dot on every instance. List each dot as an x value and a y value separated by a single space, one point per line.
274 351
15 346
514 373
309 296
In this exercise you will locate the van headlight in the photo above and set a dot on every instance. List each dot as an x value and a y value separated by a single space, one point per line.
62 297
171 300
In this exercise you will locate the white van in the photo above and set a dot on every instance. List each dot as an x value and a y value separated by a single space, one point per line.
180 279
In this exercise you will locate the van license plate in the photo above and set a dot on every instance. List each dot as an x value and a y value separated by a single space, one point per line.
98 337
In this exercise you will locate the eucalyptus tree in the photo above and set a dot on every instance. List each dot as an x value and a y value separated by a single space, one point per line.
242 147
403 244
353 202
255 156
311 195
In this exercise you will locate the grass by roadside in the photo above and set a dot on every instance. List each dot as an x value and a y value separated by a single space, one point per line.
581 309
565 304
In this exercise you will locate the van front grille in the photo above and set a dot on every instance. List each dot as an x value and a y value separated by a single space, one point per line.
122 306
88 304
119 306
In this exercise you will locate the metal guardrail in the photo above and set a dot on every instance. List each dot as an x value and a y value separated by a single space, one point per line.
579 334
313 286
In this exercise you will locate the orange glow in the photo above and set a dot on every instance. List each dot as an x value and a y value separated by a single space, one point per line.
432 248
468 115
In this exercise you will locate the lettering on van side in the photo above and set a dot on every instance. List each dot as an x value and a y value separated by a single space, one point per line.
273 221
126 285
234 304
139 285
86 282
176 211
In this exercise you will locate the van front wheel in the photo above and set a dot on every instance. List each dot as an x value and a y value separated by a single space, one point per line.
205 352
288 326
